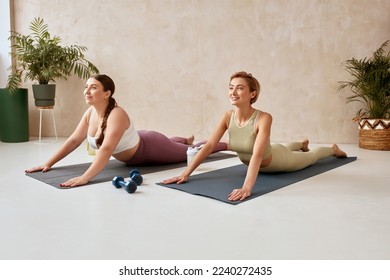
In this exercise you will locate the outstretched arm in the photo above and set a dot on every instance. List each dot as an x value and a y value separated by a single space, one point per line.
263 133
69 146
204 152
117 123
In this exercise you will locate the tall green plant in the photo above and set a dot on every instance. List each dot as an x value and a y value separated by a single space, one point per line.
370 83
40 57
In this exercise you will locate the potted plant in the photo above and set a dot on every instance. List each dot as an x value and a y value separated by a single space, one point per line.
39 57
370 85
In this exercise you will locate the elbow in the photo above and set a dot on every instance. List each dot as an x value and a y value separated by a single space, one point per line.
256 160
208 148
106 149
74 142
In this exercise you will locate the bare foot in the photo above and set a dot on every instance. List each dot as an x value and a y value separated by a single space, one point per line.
190 140
305 145
338 152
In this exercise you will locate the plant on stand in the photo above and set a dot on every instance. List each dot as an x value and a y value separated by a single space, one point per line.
370 85
39 57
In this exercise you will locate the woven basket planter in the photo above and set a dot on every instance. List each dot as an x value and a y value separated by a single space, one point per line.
374 134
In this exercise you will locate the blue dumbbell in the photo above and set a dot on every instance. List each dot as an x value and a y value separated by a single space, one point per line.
135 175
130 186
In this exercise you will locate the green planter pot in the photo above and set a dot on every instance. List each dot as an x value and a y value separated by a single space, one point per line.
14 125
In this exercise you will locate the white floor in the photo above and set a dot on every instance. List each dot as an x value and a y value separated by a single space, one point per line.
341 214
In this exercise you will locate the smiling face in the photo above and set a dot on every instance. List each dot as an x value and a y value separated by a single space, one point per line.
94 92
240 93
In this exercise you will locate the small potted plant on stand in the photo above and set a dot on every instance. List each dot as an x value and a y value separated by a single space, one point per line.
370 85
39 57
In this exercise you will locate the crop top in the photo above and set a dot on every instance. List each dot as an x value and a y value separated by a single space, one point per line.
129 139
242 139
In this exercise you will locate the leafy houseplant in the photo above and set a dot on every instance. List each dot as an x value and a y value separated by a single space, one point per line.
40 57
370 85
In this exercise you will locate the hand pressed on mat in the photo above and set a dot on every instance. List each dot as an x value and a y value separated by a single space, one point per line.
239 194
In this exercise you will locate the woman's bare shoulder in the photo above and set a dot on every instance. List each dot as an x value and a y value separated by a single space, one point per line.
119 111
228 113
226 116
87 114
264 114
119 115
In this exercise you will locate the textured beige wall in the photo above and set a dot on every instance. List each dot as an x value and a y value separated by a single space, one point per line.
171 60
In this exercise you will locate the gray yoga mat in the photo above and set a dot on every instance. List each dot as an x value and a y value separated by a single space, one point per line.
58 175
219 184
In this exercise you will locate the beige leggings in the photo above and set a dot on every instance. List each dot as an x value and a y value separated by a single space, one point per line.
288 157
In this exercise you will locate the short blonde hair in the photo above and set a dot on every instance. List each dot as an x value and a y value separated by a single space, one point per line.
253 83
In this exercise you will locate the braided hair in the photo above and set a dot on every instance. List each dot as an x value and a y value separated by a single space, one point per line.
108 84
253 83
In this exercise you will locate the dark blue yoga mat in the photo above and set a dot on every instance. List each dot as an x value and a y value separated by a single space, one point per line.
219 184
58 175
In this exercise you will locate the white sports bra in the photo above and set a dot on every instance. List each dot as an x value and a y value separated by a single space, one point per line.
130 139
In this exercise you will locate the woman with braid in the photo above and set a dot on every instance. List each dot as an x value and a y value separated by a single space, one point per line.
249 135
109 129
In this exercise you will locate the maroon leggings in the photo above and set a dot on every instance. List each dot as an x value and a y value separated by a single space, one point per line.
156 148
